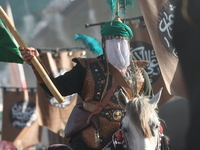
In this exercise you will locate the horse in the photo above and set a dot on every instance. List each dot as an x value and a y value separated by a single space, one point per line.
141 127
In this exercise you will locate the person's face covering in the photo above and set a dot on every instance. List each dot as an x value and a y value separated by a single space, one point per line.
118 53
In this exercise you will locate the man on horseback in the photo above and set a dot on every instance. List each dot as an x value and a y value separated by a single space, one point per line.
96 80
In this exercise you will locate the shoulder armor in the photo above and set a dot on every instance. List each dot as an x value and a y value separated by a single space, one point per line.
141 63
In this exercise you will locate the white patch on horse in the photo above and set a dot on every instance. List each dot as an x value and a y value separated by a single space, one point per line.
140 125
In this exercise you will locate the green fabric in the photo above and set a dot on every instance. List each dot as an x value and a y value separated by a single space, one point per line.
115 27
9 51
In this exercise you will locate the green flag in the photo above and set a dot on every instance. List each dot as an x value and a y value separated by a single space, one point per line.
9 51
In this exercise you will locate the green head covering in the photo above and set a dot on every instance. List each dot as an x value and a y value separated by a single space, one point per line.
115 27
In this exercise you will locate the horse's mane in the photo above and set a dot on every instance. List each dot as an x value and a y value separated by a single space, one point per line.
139 111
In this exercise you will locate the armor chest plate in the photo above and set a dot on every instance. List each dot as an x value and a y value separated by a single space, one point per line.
93 88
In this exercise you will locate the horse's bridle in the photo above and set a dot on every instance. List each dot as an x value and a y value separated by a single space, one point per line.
120 138
120 134
158 147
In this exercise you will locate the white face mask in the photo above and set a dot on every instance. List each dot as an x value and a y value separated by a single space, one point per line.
118 53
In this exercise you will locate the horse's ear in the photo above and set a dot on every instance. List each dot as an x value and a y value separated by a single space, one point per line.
154 100
121 98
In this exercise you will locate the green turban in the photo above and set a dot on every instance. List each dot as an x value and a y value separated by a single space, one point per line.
115 27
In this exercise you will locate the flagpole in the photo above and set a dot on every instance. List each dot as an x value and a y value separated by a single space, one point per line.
34 60
17 69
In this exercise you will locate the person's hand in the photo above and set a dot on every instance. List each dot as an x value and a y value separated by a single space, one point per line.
28 53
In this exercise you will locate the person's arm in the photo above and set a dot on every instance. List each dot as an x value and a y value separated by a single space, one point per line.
69 83
148 91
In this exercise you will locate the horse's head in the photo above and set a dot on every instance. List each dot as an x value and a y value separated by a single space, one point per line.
140 125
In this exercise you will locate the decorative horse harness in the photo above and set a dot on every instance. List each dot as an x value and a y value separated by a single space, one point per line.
118 140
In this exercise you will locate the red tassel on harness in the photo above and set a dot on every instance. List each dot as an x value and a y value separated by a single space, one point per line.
119 136
161 129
